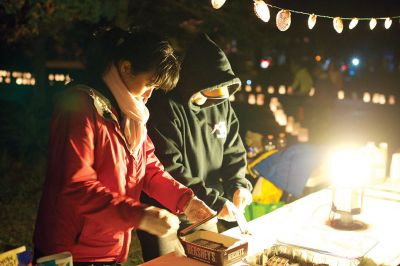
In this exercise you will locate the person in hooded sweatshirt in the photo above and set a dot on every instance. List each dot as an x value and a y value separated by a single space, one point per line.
196 134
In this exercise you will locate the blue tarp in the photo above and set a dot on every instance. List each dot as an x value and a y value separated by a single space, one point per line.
290 168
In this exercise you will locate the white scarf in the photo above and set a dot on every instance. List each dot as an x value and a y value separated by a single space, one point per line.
135 112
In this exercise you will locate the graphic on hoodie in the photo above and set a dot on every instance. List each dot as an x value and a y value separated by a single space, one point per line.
220 130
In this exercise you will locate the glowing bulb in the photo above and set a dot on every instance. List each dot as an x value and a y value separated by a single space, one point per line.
283 20
217 4
67 79
273 104
312 19
289 124
340 95
271 90
303 135
338 24
353 23
392 100
311 92
375 98
355 61
388 23
372 23
282 89
366 97
264 63
261 9
260 99
252 99
350 167
382 99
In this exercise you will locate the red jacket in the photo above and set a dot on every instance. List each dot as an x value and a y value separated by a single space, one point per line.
90 201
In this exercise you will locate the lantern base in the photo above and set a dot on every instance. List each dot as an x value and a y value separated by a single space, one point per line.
346 222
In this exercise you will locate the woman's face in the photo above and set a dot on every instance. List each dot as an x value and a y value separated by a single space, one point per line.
140 84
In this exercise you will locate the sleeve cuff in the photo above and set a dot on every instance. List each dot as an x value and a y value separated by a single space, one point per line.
183 201
219 204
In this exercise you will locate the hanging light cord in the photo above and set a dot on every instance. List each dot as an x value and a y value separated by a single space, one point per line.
330 17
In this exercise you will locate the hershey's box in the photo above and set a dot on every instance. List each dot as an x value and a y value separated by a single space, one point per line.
211 247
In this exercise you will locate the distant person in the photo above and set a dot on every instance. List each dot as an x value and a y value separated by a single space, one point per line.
303 81
325 89
101 159
196 134
322 104
335 77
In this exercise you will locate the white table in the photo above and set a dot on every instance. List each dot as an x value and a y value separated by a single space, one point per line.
309 214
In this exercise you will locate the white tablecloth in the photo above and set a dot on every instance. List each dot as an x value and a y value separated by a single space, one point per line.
308 217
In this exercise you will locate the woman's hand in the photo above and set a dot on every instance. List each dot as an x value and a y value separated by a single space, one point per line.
196 210
158 222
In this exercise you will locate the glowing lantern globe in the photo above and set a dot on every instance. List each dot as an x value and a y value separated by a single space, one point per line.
312 19
353 23
217 4
388 23
262 11
372 23
283 20
338 24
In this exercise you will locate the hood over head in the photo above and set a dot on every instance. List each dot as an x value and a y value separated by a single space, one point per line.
205 67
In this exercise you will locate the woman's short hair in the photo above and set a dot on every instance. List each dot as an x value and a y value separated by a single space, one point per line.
144 49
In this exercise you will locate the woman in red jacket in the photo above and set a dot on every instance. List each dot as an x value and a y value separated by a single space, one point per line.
100 157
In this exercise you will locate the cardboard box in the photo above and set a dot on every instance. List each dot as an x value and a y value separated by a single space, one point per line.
10 258
214 248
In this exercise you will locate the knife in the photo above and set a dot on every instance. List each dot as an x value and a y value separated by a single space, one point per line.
242 223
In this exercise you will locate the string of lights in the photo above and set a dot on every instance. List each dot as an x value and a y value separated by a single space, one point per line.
283 17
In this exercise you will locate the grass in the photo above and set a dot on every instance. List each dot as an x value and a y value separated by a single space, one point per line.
21 188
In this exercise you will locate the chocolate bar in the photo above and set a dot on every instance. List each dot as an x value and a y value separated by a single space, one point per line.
209 244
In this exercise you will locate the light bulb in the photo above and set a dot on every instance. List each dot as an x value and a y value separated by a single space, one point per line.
392 99
312 19
283 20
388 23
261 9
217 4
353 23
372 23
366 97
282 89
340 95
338 24
252 99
